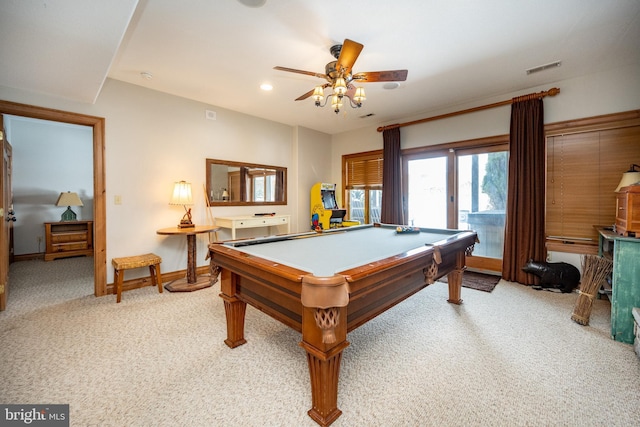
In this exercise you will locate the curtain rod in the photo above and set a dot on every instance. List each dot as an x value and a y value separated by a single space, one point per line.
551 92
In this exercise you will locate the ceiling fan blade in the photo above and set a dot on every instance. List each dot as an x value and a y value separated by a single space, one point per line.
305 96
308 73
351 90
308 94
382 76
348 55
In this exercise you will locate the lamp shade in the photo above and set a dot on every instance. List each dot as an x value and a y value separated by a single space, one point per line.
630 177
69 199
359 96
318 93
340 86
181 194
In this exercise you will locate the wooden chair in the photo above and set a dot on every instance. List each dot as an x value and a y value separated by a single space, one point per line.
127 263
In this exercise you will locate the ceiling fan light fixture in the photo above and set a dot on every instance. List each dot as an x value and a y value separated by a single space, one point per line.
340 78
359 96
340 86
318 95
336 103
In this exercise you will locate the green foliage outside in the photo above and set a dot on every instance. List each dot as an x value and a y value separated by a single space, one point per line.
494 183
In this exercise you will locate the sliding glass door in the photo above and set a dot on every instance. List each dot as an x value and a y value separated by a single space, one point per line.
482 200
461 188
427 192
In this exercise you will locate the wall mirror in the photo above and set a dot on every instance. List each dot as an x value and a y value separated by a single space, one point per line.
245 184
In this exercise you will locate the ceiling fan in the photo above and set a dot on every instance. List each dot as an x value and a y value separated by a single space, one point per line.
340 78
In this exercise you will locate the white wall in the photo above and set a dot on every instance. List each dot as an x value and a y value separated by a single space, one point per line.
313 159
48 158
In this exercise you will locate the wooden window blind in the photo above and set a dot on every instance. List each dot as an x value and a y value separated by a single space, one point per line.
583 170
363 170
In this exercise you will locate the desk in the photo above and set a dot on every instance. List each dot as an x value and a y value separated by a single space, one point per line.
325 285
252 221
191 282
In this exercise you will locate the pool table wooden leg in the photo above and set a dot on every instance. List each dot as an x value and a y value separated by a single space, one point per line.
324 366
234 310
455 286
454 278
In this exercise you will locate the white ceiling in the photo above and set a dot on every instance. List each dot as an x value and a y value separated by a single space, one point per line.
220 51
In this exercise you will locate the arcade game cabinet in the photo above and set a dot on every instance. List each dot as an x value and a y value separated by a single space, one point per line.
325 213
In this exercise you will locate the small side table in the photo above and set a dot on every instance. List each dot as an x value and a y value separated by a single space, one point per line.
191 282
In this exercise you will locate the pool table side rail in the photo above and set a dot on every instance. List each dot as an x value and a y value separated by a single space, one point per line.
371 295
262 285
456 242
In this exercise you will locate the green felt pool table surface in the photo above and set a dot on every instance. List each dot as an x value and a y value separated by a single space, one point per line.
327 253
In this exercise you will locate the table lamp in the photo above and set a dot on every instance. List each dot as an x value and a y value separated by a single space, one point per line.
632 176
69 199
182 196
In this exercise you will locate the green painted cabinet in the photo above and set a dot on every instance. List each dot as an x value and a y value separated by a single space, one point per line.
625 282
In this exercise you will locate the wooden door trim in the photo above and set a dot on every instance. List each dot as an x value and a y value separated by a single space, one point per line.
6 229
99 194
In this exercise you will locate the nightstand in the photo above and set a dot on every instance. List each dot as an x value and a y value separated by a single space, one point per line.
67 239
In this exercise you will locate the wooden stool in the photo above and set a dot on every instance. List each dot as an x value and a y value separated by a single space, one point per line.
148 260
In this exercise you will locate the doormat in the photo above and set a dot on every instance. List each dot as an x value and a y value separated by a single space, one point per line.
477 281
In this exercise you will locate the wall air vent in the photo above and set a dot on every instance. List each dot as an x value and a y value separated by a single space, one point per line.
544 67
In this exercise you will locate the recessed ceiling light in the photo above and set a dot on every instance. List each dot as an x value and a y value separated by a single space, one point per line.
252 3
266 86
146 75
391 85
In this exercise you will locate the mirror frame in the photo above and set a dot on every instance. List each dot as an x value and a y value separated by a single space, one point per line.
211 162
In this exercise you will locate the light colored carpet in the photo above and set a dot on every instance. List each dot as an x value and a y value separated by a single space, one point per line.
512 357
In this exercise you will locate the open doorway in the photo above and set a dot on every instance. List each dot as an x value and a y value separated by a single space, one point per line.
49 159
99 208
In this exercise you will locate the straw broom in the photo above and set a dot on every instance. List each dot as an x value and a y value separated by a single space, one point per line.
595 270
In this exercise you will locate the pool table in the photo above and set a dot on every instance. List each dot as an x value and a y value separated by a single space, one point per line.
326 284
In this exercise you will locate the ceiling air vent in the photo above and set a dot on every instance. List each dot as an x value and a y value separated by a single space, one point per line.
544 67
367 115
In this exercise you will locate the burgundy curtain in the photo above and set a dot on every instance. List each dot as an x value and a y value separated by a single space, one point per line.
524 228
391 178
